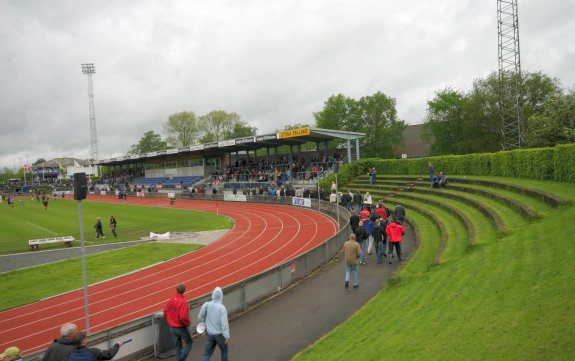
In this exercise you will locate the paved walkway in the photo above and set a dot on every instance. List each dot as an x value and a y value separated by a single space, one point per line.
288 323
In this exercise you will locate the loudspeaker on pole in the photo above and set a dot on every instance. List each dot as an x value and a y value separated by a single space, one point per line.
80 186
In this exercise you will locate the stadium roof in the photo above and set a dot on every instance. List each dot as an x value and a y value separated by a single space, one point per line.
292 137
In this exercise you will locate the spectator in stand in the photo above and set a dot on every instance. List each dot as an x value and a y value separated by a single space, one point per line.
333 186
333 197
177 316
352 252
399 213
395 232
361 237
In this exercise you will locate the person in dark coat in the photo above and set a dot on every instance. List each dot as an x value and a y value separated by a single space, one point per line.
361 238
379 239
354 221
399 214
98 227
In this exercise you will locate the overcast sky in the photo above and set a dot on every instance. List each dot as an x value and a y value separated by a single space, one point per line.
272 62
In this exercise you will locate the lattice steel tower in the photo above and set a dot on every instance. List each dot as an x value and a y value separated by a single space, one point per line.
89 70
510 80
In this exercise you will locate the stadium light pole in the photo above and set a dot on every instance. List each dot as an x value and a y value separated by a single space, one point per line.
90 70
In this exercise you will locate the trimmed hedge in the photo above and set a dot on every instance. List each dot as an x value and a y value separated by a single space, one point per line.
556 164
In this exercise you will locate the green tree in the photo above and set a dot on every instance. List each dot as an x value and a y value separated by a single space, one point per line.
555 124
375 115
216 124
182 129
240 129
149 142
38 161
469 122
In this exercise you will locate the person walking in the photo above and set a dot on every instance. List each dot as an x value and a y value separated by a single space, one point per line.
357 201
215 315
113 225
380 239
98 227
395 232
353 220
399 213
360 237
352 252
177 316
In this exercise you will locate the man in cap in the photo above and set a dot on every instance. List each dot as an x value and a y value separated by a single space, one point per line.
11 354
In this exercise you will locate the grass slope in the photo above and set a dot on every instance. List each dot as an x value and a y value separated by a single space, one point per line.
511 297
31 221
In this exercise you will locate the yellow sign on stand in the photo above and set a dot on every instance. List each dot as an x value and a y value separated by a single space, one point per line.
294 133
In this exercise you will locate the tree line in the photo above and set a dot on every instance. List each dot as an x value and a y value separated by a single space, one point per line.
456 121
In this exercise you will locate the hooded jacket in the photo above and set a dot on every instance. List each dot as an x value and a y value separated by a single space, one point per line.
395 231
215 315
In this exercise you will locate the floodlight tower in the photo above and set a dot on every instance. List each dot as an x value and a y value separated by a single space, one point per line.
89 70
510 82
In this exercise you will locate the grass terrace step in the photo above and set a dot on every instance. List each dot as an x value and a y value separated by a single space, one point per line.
387 191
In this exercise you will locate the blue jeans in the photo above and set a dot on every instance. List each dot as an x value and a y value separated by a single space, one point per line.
179 335
351 269
210 346
363 245
380 251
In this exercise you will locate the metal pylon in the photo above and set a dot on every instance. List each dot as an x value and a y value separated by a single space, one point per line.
510 79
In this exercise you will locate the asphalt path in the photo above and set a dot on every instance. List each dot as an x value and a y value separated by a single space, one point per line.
286 324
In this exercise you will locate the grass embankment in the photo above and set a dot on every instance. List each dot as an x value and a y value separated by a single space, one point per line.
510 296
30 221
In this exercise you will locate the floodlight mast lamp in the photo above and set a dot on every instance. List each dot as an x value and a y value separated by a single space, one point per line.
89 70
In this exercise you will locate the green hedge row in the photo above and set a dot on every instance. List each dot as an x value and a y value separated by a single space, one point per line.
557 164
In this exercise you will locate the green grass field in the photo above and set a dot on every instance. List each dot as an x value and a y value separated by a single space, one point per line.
30 221
509 297
35 283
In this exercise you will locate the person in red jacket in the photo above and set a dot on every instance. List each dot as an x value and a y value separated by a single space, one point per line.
177 316
395 232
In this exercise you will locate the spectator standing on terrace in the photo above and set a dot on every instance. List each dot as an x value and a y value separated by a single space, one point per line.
333 186
361 237
352 252
98 227
399 213
333 197
177 316
113 225
430 171
215 315
395 232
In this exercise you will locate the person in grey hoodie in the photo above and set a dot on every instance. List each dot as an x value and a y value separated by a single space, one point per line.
215 315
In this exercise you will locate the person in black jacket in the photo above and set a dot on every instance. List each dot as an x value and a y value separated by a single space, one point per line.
354 221
361 237
380 239
61 348
98 227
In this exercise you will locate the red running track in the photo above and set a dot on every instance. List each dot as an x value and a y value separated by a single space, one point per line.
263 236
